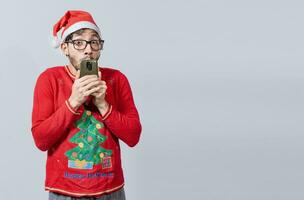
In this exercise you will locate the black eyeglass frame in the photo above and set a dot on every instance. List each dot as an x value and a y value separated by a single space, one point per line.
87 42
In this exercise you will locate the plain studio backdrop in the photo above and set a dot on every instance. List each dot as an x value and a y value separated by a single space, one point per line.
218 85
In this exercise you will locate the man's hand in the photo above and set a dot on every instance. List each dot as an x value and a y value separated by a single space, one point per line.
84 87
99 95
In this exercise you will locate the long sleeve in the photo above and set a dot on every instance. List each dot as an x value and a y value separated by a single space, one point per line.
123 121
49 125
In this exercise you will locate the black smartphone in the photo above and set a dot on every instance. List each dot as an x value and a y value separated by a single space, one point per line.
88 67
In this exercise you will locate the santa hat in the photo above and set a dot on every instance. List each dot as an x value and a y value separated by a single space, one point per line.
71 21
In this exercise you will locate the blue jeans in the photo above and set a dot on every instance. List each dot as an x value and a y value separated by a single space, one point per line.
117 195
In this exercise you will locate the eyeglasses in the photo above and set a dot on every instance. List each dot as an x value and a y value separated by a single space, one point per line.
96 45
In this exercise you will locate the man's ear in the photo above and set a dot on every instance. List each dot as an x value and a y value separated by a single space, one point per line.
64 48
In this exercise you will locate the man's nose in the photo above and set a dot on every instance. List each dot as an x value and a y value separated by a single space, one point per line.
88 50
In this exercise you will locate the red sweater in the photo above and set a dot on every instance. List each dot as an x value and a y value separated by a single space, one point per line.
83 152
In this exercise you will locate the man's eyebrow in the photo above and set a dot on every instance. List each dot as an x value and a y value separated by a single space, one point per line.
96 35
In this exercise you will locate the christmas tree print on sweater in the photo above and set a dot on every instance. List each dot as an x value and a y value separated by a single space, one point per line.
88 152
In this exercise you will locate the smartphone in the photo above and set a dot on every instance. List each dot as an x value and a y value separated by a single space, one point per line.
88 67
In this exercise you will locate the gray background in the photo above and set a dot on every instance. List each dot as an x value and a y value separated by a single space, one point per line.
218 85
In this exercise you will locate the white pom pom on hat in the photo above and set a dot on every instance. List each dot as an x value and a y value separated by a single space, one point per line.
70 22
55 42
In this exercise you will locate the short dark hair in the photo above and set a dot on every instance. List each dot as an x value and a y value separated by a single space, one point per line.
78 32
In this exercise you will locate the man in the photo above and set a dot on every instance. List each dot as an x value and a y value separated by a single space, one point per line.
79 121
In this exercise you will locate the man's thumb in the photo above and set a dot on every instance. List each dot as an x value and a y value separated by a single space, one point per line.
99 74
77 74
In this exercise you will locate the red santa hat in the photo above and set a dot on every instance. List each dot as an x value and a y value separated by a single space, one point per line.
71 21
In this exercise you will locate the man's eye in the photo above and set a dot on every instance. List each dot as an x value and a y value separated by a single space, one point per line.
95 42
78 42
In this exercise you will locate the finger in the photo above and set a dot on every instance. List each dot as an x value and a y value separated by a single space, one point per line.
99 74
87 81
103 82
91 85
77 74
86 77
90 91
96 95
102 89
99 94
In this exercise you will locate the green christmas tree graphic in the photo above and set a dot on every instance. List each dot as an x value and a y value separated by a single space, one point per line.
88 152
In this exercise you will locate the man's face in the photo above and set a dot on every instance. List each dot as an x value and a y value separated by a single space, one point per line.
76 56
